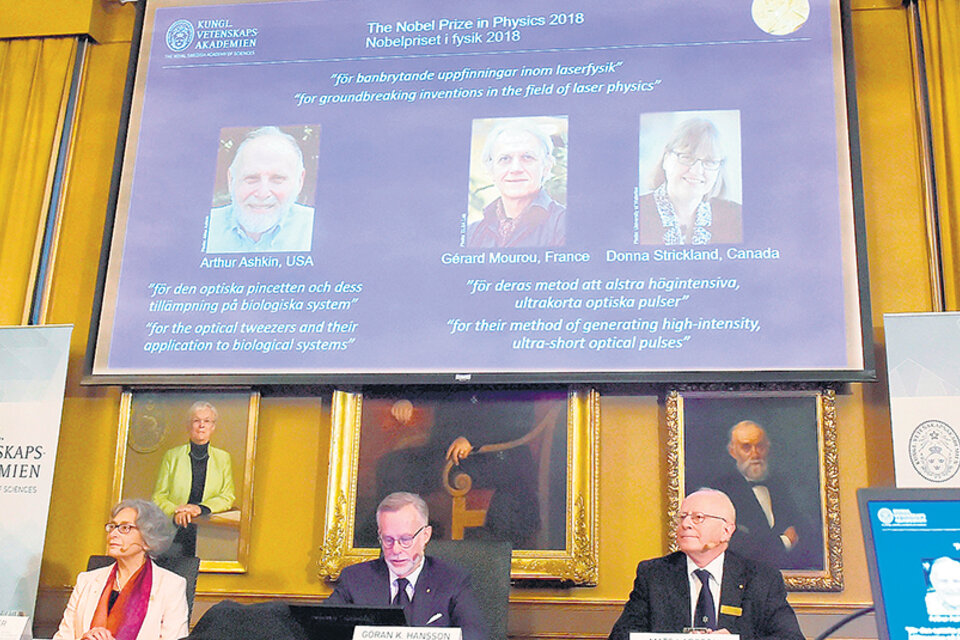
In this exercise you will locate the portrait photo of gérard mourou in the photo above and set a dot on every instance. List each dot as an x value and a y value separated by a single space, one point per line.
264 194
518 183
690 179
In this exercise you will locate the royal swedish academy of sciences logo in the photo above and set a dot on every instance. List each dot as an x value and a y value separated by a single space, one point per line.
180 35
884 515
935 450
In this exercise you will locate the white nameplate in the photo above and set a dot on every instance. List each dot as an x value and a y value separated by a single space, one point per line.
408 633
15 628
638 635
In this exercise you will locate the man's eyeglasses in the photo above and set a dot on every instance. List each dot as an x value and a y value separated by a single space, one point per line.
123 527
688 160
404 541
696 517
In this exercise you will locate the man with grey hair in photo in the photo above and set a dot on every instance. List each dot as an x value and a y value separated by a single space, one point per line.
519 157
432 592
943 599
264 179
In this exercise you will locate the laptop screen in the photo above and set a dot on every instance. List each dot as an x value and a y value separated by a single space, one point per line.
336 621
912 541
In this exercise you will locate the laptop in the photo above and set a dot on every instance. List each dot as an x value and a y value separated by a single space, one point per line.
912 540
336 621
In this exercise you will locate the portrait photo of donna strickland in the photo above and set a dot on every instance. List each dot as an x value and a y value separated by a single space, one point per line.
690 179
518 183
263 199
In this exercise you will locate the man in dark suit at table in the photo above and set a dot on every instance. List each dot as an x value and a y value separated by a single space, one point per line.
431 591
771 527
704 585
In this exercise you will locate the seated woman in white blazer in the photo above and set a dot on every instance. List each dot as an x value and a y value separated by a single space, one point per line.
132 599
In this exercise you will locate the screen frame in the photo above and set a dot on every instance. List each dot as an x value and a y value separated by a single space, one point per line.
868 372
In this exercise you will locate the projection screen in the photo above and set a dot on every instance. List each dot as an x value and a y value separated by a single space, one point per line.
487 191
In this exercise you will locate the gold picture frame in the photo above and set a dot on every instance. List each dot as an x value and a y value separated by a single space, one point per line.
572 559
801 421
154 421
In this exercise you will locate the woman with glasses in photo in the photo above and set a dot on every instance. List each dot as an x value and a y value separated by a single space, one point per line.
133 598
686 204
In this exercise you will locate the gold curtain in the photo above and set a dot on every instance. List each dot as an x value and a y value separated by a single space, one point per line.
35 75
940 26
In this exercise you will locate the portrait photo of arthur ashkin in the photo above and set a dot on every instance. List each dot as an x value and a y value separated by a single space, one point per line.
265 180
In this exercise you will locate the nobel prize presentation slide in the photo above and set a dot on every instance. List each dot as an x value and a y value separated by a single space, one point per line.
334 190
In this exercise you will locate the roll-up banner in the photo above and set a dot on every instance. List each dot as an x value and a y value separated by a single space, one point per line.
33 369
923 352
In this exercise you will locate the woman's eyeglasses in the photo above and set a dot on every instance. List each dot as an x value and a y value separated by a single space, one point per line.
688 160
123 527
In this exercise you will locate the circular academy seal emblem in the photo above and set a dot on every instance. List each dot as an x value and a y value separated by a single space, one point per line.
180 35
884 515
935 450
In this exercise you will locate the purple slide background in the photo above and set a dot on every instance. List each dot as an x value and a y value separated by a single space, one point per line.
392 189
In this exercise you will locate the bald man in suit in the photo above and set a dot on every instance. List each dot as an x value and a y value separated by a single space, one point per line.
706 586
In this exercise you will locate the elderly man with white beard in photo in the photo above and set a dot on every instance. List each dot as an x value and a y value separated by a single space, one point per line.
265 179
771 527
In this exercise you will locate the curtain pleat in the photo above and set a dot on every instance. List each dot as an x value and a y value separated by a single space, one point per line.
35 76
940 26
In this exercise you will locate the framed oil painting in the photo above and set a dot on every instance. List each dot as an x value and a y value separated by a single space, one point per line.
529 476
163 436
775 454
